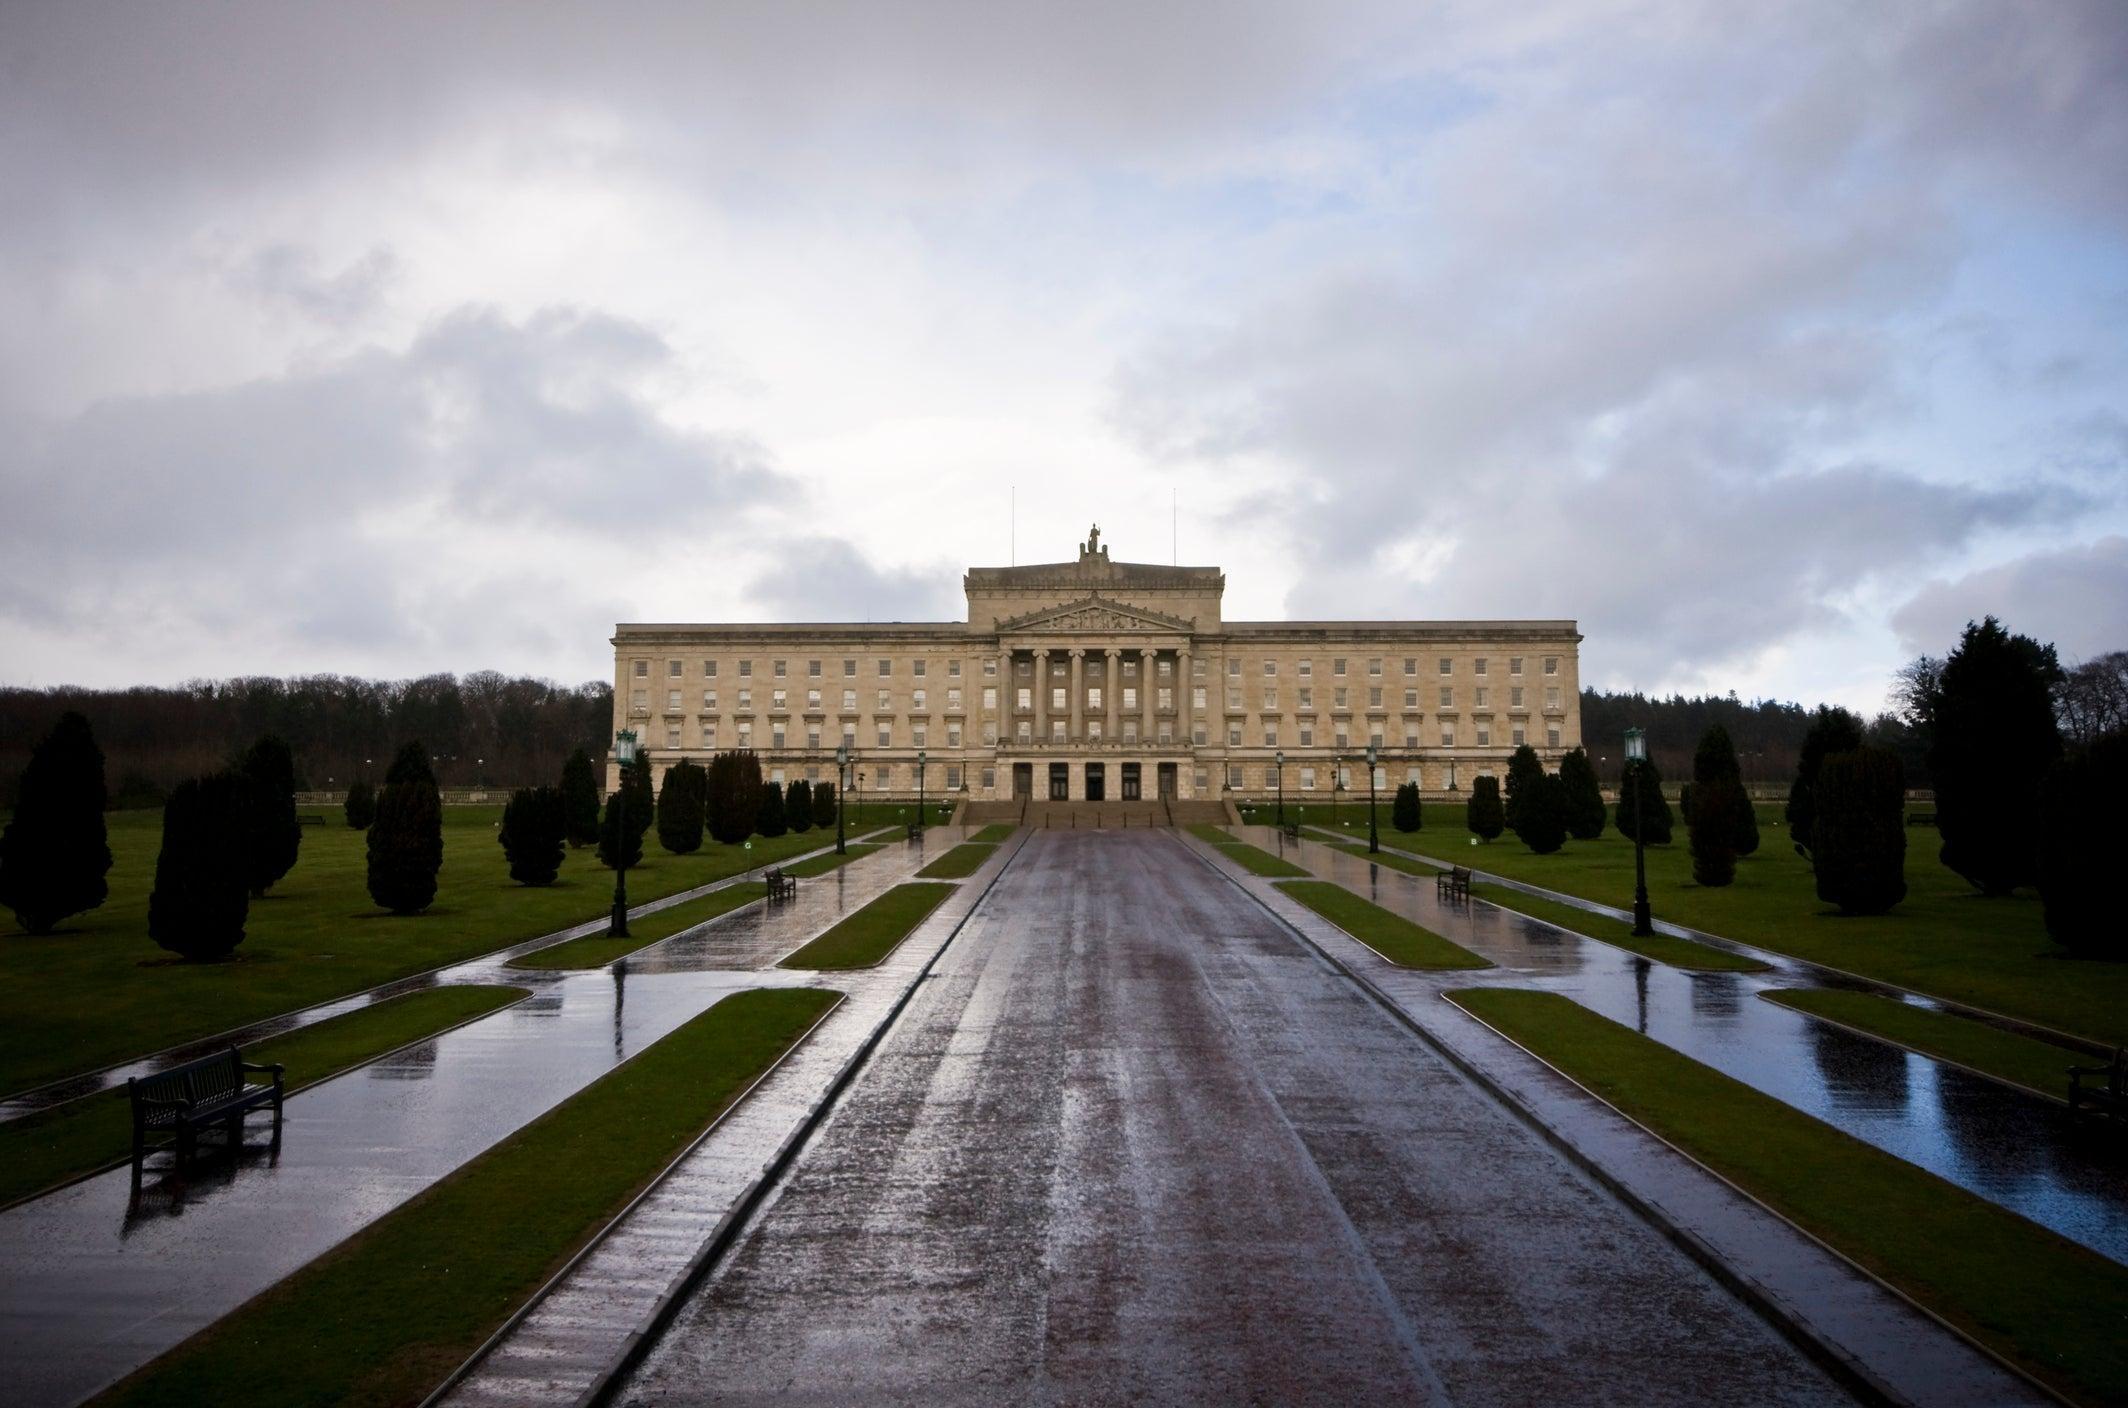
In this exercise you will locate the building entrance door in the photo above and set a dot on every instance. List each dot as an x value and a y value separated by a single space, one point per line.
1023 779
1132 788
1167 781
1096 782
1060 782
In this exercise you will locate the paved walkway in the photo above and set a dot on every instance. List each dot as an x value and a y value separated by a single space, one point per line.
92 1284
1137 1141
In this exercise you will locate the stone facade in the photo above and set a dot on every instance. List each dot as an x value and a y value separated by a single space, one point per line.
1105 679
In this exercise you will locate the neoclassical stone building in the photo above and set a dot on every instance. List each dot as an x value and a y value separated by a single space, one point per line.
1101 680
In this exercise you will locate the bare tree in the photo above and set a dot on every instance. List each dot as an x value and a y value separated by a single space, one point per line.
2093 699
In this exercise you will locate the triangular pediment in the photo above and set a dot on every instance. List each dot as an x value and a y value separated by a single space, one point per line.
1097 614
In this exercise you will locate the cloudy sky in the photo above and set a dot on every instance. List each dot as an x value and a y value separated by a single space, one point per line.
1769 341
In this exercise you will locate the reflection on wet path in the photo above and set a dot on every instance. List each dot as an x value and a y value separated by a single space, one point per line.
93 1284
2006 1145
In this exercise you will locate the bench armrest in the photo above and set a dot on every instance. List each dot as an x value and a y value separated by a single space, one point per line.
274 1067
2091 1070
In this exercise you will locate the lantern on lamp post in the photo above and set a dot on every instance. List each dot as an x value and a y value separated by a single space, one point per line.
1636 771
624 754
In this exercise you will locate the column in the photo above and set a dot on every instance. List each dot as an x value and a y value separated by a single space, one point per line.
1185 704
1078 698
1110 683
1145 696
1004 699
1041 696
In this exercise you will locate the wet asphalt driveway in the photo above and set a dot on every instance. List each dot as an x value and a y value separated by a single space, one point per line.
1134 1141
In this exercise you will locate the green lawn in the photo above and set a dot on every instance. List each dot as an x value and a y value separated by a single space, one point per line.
2020 1060
101 991
823 864
60 1144
1218 836
1391 935
597 950
1392 859
1256 860
960 862
865 937
384 1317
1943 939
994 833
2053 1307
1678 953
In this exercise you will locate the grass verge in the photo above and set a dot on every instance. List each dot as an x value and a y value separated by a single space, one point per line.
1394 860
56 1146
960 862
865 937
1391 935
597 950
2036 1065
1206 831
1258 861
2039 1300
1663 948
382 1318
994 833
822 864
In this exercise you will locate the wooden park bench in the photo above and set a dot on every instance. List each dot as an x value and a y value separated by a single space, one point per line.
1921 819
2108 1099
186 1099
782 885
1453 883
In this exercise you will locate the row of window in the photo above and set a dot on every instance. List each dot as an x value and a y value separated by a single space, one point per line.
1058 667
1482 697
1059 699
744 736
1445 665
677 669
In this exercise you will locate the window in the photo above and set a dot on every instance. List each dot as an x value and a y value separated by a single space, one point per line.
709 669
1056 730
849 669
1551 696
1093 696
1130 697
812 699
1199 737
672 669
886 732
1307 779
1197 698
1340 698
642 669
1093 728
709 699
1448 735
1270 698
1167 669
1380 779
1411 740
746 669
883 778
1374 698
1203 779
953 777
812 669
1056 698
1270 735
883 700
1514 664
1448 666
1483 697
1307 734
776 734
1337 666
1307 697
812 735
990 733
1374 669
1307 668
1478 666
1233 699
1026 699
849 699
672 735
886 668
1485 733
1448 697
916 699
1057 669
849 735
812 773
1234 668
953 735
777 700
746 699
779 669
1233 774
989 779
1551 664
775 775
990 698
1233 735
953 669
1411 665
1197 668
1026 731
746 734
916 667
1551 735
1270 667
709 736
1518 734
990 669
1343 741
672 701
953 699
1411 699
1514 696
1166 731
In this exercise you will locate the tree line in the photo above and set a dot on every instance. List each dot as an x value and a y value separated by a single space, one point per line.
481 729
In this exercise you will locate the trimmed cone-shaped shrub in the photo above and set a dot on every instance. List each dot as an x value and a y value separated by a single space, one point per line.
1654 808
768 820
1859 824
642 796
1715 760
202 891
54 854
1542 815
1711 819
734 796
1404 812
411 765
406 845
823 804
1992 744
1585 811
580 799
1484 813
360 806
681 801
619 846
1832 730
1523 770
798 805
2084 834
272 835
532 835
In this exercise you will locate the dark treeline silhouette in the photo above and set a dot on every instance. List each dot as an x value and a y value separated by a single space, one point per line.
1767 733
481 729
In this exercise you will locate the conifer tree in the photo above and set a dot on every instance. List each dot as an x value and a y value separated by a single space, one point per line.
1993 739
532 835
580 799
619 846
272 835
1711 821
769 819
798 805
1483 813
1654 808
734 802
1405 813
642 796
54 854
411 765
202 891
1523 769
1859 824
824 803
1715 759
2084 834
681 803
1832 730
1585 811
360 806
406 840
1542 815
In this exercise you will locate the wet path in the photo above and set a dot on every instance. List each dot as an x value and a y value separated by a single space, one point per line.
94 1283
2004 1144
1135 1141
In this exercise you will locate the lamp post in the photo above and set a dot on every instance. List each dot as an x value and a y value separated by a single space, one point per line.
1279 761
1337 783
1637 754
860 797
842 781
1374 835
624 754
918 824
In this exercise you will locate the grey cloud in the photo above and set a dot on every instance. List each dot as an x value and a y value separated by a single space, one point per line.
287 275
828 579
2076 597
